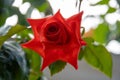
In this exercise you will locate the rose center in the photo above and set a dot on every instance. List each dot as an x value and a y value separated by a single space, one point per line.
52 30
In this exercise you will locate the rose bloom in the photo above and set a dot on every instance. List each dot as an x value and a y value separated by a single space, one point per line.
56 38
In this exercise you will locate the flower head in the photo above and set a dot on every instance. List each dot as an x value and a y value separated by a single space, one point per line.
56 38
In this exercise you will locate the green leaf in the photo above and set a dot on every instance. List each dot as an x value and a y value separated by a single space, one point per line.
3 15
56 67
4 11
13 64
35 2
24 35
101 33
117 31
98 57
81 55
1 3
118 26
103 2
35 63
111 10
11 32
41 5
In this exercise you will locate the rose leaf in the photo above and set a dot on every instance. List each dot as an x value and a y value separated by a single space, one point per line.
56 67
98 57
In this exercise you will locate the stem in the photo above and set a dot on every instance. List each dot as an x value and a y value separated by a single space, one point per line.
79 5
83 31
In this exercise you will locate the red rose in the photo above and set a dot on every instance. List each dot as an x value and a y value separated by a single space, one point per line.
56 38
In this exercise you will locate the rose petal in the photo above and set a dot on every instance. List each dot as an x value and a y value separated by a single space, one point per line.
36 25
64 53
75 22
34 45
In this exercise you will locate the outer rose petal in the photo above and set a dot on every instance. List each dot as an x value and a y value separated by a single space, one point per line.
75 22
67 53
35 24
34 45
60 18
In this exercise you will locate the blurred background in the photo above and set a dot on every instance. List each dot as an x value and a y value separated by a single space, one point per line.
101 20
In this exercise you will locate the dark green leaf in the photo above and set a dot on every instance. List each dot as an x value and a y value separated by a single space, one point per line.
21 17
81 55
41 5
101 33
12 31
3 15
35 2
1 3
98 56
57 67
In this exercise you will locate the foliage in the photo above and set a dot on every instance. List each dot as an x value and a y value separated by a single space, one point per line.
15 66
56 67
34 64
13 30
98 56
101 33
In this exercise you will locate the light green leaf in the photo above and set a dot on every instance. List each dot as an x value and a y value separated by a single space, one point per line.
11 32
101 33
111 10
98 56
56 67
35 63
103 2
